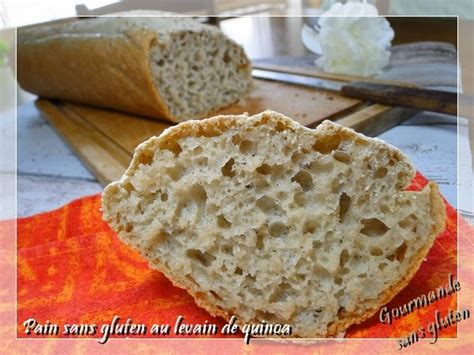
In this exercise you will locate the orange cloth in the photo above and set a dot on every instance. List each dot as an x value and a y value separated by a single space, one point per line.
72 269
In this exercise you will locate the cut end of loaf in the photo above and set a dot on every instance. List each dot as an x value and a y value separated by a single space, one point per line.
268 220
198 71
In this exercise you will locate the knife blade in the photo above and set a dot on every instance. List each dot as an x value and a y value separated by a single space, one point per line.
326 84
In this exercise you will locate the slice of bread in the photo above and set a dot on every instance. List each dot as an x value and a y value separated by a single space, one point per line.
173 68
262 218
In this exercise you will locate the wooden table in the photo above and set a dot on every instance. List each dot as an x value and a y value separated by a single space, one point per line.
49 175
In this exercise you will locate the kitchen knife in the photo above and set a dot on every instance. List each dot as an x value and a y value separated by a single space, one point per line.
376 90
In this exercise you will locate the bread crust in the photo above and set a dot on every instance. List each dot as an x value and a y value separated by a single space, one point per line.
103 68
214 126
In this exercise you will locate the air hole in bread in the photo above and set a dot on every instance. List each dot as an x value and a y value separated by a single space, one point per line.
278 229
327 240
382 266
238 271
375 251
384 208
401 175
247 147
317 244
210 131
255 291
338 281
172 146
236 139
228 168
362 276
390 257
283 292
222 222
197 150
145 157
227 249
373 227
344 204
267 204
198 194
327 144
266 316
176 171
400 252
264 169
408 223
204 259
280 126
304 179
297 157
299 199
342 157
344 271
128 228
310 227
259 242
317 166
300 277
179 208
226 57
380 172
164 196
343 258
201 161
159 238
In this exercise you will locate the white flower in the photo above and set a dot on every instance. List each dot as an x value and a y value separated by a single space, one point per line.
352 39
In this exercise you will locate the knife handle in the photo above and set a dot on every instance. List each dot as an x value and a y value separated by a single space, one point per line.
394 95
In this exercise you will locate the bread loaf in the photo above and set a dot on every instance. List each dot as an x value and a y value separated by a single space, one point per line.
165 67
264 219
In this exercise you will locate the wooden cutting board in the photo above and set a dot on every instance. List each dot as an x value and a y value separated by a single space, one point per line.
104 140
